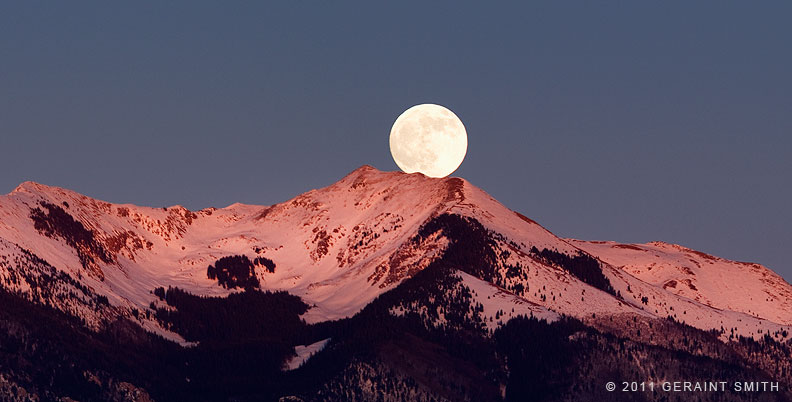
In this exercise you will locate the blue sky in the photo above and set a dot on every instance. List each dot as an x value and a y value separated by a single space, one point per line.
627 121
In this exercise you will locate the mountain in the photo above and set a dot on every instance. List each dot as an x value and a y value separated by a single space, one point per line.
383 284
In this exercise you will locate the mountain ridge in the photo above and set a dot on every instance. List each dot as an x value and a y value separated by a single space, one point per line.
430 283
357 233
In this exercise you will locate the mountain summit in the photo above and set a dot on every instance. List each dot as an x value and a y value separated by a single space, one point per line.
441 251
340 246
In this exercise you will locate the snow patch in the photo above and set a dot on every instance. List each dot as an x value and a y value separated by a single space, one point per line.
304 352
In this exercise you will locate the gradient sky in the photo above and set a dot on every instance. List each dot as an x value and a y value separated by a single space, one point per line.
627 121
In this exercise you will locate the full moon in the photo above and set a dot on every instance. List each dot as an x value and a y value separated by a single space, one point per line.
429 139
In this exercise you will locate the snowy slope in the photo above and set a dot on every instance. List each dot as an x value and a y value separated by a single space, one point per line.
338 247
728 285
341 246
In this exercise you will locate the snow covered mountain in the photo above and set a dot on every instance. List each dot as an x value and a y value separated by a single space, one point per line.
344 247
339 247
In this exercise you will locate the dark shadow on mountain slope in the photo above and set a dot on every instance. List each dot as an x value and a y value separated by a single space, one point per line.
439 350
236 271
476 251
244 315
50 354
55 222
582 266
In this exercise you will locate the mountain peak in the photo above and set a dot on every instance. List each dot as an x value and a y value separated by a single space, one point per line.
367 176
54 194
342 245
28 186
366 171
366 168
32 187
